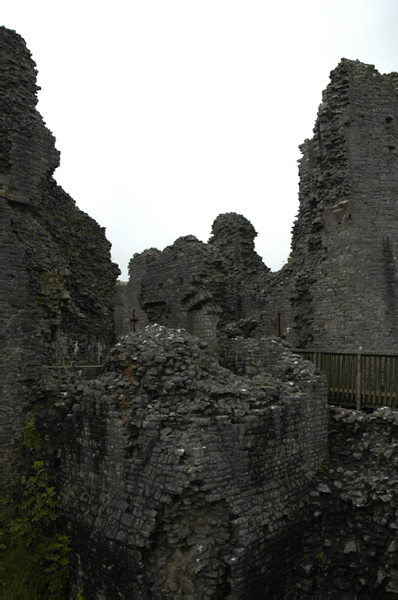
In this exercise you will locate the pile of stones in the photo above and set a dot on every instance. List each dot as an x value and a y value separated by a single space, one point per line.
179 477
351 545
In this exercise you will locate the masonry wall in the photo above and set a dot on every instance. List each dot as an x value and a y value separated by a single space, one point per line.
178 477
355 293
342 283
56 273
181 473
339 288
183 286
200 287
349 547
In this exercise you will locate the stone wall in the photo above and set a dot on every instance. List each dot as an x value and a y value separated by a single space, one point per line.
179 287
56 274
200 287
247 276
350 545
178 477
342 283
339 288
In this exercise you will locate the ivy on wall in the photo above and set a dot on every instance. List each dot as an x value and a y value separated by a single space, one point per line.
34 556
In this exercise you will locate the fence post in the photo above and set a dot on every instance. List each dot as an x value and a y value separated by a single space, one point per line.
358 382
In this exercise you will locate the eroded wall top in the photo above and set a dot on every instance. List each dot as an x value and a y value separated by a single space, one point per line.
27 148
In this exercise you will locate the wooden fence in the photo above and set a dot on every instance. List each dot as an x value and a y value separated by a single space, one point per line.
364 380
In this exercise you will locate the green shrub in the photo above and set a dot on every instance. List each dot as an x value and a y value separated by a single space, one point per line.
34 556
33 439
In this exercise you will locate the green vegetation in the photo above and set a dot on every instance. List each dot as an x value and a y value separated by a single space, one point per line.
34 557
32 437
323 561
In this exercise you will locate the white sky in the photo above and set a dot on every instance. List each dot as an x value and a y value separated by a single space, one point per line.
170 112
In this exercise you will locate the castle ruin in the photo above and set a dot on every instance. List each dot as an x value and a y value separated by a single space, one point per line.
339 288
203 460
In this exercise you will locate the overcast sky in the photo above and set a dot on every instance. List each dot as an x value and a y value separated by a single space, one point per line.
170 112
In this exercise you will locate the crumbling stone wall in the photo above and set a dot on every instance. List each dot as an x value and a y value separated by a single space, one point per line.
57 276
342 284
27 151
339 288
178 477
350 544
183 286
353 187
200 287
247 276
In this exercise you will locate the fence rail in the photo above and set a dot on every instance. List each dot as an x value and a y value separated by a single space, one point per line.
365 379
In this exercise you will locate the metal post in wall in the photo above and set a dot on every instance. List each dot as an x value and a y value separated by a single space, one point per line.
358 382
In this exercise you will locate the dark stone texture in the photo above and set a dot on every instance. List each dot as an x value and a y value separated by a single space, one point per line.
57 279
184 477
201 287
339 288
28 153
350 544
183 286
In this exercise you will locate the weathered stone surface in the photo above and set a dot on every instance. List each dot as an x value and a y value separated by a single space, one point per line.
247 276
28 153
185 477
351 536
182 286
339 288
200 287
57 279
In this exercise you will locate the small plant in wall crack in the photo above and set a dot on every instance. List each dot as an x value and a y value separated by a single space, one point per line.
125 400
323 561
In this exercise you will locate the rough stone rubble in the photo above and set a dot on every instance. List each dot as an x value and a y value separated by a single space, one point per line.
351 544
185 476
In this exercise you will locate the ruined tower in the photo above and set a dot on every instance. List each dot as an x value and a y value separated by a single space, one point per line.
346 232
339 289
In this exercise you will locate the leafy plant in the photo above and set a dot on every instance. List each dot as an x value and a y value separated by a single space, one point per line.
32 436
34 555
